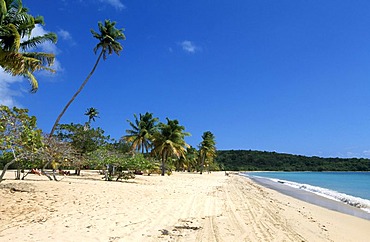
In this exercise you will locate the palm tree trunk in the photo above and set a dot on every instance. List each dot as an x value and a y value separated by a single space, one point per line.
164 158
75 95
203 157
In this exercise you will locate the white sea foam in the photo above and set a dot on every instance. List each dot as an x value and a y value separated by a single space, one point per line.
358 202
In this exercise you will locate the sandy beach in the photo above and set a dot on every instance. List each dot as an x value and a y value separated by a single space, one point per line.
180 207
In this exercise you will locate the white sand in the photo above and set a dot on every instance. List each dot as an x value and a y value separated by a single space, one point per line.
180 207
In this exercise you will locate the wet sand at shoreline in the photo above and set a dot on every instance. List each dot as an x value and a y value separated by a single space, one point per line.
313 198
180 207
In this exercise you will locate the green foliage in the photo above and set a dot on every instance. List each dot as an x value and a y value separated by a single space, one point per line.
141 133
58 153
191 159
19 136
248 160
169 141
106 158
102 157
137 162
207 150
83 140
92 113
108 37
121 146
16 25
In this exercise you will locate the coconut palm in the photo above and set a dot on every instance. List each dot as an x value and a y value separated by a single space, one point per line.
92 113
191 158
108 37
169 141
141 134
16 25
207 149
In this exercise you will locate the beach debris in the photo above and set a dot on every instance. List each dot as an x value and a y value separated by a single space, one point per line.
164 231
188 227
18 187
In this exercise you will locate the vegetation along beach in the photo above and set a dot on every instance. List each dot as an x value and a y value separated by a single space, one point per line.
184 121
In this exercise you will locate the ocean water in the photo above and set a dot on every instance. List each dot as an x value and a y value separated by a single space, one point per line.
352 188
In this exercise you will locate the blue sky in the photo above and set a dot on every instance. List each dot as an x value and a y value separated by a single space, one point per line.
285 76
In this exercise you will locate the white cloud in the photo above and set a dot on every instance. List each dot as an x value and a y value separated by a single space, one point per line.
7 95
366 153
65 35
189 46
46 46
115 3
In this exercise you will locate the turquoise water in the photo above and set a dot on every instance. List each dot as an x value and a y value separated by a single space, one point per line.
349 187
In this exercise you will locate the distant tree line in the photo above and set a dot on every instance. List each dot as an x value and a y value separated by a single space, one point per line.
249 160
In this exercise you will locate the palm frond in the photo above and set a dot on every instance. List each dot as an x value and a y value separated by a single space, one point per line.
44 58
33 81
35 41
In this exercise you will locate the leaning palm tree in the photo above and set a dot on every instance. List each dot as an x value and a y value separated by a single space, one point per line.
16 25
169 141
141 134
108 43
207 149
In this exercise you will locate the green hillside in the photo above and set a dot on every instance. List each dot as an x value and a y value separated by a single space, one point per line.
249 160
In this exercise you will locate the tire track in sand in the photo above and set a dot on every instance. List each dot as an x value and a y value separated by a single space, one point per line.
261 213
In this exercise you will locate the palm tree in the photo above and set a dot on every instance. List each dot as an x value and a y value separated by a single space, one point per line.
92 113
207 149
16 25
141 134
108 43
169 141
191 158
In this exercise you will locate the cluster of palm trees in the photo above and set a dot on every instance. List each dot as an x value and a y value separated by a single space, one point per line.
167 142
16 25
164 140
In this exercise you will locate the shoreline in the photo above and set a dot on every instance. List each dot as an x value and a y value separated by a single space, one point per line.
312 198
180 207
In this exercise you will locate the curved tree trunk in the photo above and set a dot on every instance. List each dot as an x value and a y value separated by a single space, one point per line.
75 95
6 168
70 101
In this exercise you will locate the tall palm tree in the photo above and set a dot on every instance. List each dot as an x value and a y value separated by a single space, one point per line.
141 134
16 25
169 141
108 43
207 149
